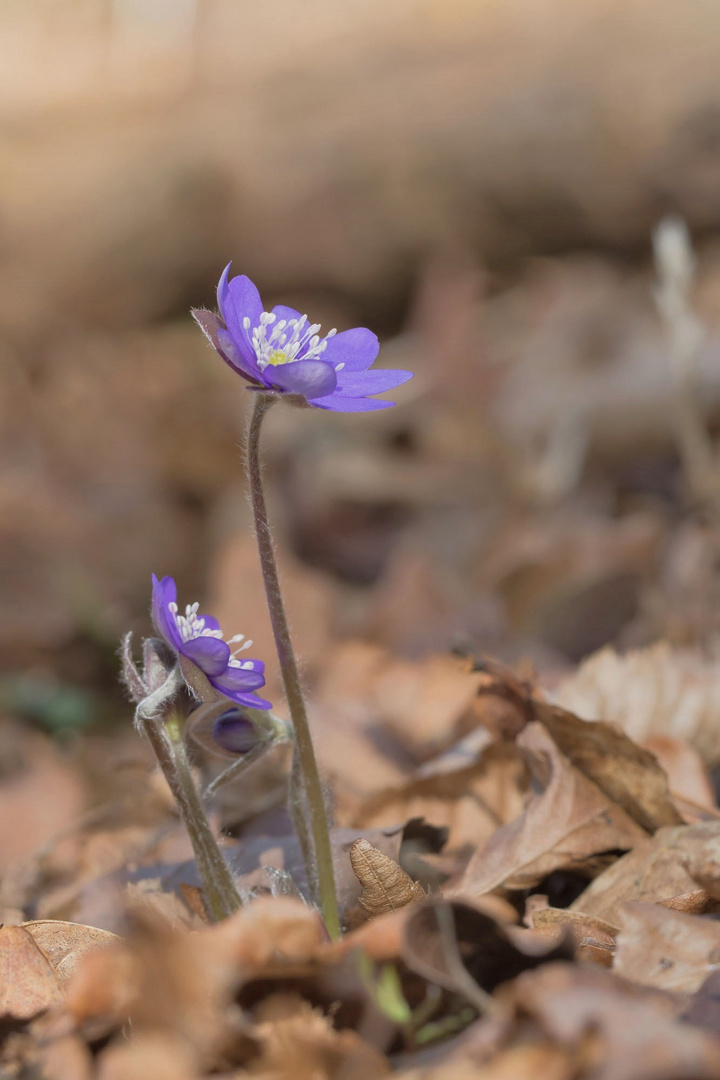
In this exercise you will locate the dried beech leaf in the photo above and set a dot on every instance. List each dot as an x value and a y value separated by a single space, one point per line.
386 887
627 774
659 868
27 983
567 823
653 691
665 949
64 943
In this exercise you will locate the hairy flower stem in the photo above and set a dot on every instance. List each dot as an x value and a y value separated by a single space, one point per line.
322 871
165 735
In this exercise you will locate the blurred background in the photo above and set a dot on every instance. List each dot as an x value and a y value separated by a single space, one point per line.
475 180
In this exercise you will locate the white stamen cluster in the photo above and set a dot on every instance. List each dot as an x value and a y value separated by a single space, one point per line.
190 627
278 341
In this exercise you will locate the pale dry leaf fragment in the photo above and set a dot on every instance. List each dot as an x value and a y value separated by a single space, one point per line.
386 887
566 823
64 943
28 985
666 949
654 691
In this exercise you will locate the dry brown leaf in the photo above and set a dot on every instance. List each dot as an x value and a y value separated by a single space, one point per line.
386 887
633 1030
627 774
566 823
665 949
687 775
299 1043
649 692
695 902
270 929
64 943
594 938
27 983
661 867
150 1054
472 801
531 1061
65 1058
104 986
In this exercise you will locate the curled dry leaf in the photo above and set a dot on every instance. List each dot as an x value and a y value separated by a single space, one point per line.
567 822
27 983
662 867
385 885
668 950
594 938
64 943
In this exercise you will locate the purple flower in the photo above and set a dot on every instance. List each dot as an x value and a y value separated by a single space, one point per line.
280 351
199 639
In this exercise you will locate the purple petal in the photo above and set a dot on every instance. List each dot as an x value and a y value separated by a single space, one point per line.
210 654
241 301
234 732
237 678
311 378
248 701
164 592
287 313
356 349
360 384
210 621
338 403
221 340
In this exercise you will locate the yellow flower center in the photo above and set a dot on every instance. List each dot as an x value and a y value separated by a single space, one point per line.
278 356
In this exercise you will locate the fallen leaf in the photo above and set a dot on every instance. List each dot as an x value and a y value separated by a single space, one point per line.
299 1043
64 943
648 692
633 1031
687 774
471 801
668 950
27 983
150 1054
568 821
594 938
627 774
661 867
386 887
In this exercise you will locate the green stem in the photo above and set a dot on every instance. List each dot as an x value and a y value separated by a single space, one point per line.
165 735
322 871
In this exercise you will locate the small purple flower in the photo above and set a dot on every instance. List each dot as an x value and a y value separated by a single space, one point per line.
199 639
280 351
